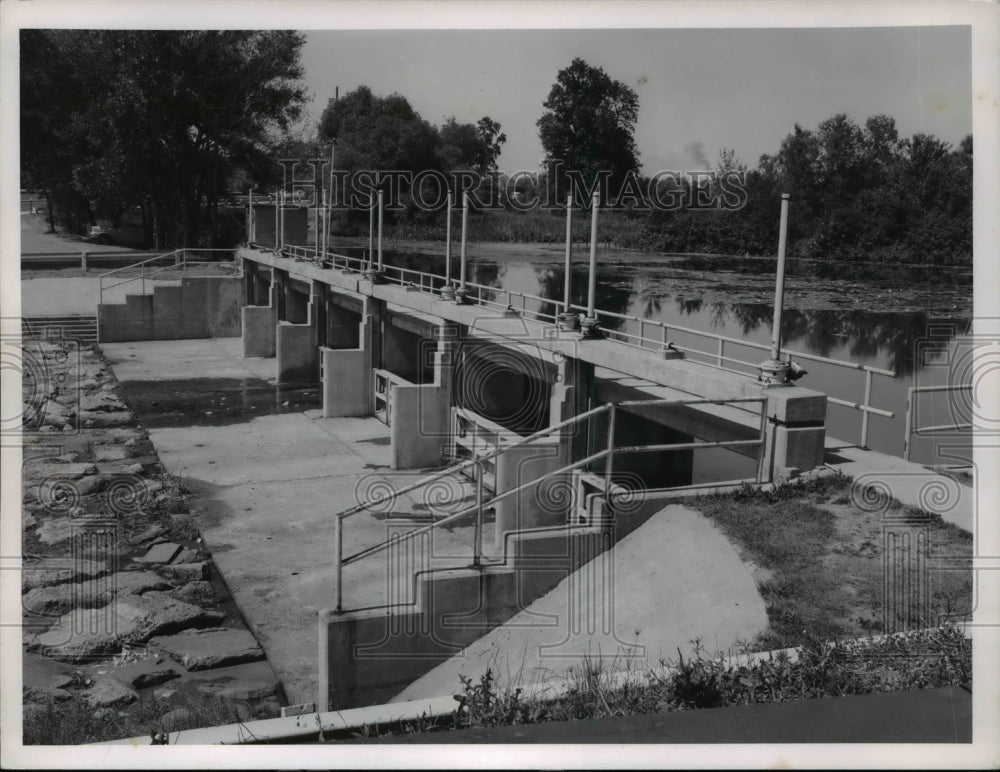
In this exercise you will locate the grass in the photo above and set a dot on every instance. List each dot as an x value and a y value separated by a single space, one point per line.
921 660
820 563
75 722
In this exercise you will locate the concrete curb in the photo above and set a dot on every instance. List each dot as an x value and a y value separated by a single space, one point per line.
312 727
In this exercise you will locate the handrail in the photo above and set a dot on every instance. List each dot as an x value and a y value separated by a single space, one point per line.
910 430
606 453
351 511
718 359
180 258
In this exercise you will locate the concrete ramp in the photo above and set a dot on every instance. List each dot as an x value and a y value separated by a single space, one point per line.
675 579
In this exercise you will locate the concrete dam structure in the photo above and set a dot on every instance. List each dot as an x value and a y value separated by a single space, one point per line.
546 446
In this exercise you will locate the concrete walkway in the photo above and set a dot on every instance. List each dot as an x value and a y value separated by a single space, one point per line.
674 580
876 475
269 487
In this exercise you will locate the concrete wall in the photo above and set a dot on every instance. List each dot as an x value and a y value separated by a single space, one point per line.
347 372
198 307
259 326
543 504
297 352
419 427
366 657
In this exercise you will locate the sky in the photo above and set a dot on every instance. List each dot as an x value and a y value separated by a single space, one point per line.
700 90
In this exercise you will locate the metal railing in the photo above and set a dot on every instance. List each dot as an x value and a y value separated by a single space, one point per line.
660 341
483 501
382 383
652 334
179 261
910 429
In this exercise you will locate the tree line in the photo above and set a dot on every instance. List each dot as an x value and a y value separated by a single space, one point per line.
160 126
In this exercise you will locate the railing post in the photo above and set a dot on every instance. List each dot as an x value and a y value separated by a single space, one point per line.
447 292
338 567
461 292
865 406
774 371
371 233
83 260
380 207
589 324
477 545
568 320
609 461
907 425
142 269
277 217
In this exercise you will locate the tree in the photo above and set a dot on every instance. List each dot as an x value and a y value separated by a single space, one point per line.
161 120
491 140
589 123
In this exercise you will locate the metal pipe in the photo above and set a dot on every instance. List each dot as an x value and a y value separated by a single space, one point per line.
908 424
609 461
338 563
864 411
465 227
250 228
277 196
380 230
447 246
567 285
592 279
371 233
779 290
477 544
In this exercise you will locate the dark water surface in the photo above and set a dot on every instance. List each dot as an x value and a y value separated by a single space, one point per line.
913 328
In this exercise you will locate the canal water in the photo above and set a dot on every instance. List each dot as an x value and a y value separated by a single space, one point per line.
915 328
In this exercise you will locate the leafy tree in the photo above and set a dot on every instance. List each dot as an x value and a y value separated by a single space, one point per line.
589 123
491 140
161 120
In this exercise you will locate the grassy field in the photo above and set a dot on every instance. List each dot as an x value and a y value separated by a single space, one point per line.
819 561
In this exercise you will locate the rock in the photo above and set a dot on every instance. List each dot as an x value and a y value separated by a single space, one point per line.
109 453
91 594
148 534
131 443
93 484
160 553
186 555
130 619
177 719
101 419
67 458
28 520
40 575
184 572
204 649
103 402
134 468
58 529
199 593
61 470
43 677
154 678
109 692
249 681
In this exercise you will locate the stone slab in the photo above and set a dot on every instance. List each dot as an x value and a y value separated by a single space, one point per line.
248 681
93 593
86 633
203 649
160 553
39 575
